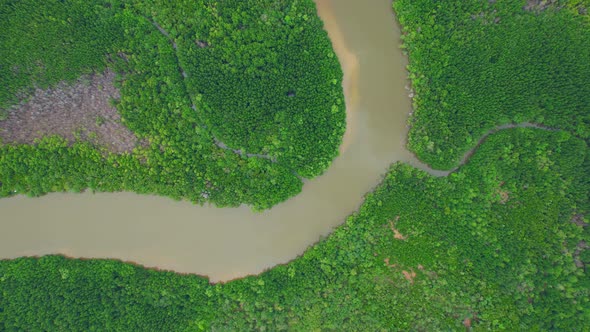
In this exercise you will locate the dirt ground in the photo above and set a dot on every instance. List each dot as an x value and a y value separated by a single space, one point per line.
81 111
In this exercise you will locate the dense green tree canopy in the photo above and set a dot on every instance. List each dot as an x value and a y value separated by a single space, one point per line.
477 64
236 99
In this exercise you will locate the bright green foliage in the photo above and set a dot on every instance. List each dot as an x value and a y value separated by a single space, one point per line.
476 64
492 242
198 80
44 42
262 74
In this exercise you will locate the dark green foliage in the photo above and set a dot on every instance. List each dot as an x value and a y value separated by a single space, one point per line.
97 296
261 74
493 242
45 42
477 64
195 88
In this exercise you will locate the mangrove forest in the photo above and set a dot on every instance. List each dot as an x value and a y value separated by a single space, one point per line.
235 102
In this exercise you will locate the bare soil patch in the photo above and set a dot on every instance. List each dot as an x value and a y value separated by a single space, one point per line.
396 234
81 111
409 275
467 322
388 264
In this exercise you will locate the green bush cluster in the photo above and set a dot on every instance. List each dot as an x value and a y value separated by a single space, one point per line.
478 64
492 243
234 101
278 76
43 43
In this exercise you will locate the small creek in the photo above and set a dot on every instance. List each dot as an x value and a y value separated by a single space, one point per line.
233 242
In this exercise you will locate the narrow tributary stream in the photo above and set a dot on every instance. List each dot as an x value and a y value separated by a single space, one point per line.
233 242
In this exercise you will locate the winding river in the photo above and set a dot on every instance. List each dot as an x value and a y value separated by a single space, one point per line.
233 242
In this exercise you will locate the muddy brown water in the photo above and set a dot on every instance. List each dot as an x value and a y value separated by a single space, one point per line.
233 242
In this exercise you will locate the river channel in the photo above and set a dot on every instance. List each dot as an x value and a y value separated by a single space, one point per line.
233 242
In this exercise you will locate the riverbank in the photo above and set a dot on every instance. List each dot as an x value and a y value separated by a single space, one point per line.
422 253
230 243
350 67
